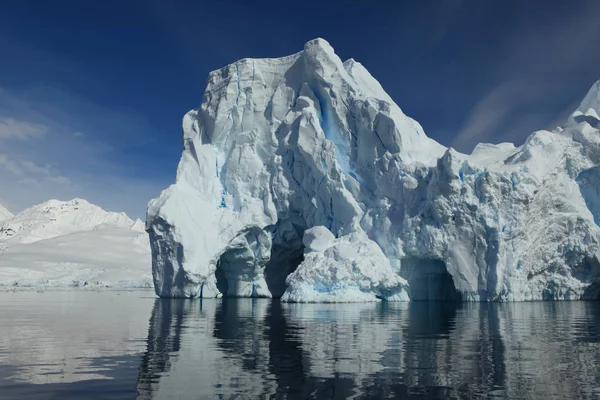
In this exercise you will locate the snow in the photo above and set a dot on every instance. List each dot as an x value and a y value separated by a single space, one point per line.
353 268
4 213
317 238
589 108
73 243
54 218
301 178
138 226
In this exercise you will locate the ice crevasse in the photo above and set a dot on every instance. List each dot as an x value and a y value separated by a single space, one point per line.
300 178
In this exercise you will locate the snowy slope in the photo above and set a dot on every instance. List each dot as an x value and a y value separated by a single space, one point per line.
589 109
282 146
54 218
73 243
4 213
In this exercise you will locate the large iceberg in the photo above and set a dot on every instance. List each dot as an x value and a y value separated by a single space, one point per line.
300 178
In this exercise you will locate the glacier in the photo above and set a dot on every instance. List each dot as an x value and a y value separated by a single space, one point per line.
300 178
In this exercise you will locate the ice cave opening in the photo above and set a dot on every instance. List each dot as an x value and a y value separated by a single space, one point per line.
592 292
257 257
240 267
283 262
233 270
588 271
428 280
287 252
222 283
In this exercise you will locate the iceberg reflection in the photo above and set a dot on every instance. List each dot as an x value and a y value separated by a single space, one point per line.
258 347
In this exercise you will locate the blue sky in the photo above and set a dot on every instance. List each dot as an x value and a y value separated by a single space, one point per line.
92 93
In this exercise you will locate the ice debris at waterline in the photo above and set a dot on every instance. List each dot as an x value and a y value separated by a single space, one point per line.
301 178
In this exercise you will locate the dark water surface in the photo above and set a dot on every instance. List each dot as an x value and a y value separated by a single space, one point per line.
96 345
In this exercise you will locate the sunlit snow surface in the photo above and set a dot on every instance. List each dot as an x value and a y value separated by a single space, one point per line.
279 146
73 243
4 213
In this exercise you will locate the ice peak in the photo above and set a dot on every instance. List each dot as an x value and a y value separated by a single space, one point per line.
138 226
4 213
54 203
320 43
589 109
320 48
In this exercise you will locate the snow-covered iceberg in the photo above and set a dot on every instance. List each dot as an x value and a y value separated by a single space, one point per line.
301 178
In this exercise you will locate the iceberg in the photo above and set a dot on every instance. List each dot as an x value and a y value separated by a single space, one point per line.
300 178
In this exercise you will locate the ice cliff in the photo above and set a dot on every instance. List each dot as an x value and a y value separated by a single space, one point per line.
301 178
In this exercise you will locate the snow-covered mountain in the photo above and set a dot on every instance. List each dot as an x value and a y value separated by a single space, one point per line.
4 213
73 243
301 177
54 218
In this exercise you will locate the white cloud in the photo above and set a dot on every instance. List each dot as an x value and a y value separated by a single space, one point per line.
506 114
29 182
11 166
32 167
485 117
11 128
28 172
63 180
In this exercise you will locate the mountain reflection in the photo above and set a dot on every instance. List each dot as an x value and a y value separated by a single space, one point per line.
240 348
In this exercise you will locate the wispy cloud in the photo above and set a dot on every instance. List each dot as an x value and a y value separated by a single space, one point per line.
27 172
541 57
10 166
34 168
11 128
506 114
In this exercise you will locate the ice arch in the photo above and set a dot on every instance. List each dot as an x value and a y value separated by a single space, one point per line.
428 280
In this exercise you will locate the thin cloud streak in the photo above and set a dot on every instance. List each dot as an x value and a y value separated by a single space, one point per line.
11 128
539 61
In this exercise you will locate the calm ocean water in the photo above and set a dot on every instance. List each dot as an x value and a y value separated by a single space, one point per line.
111 345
